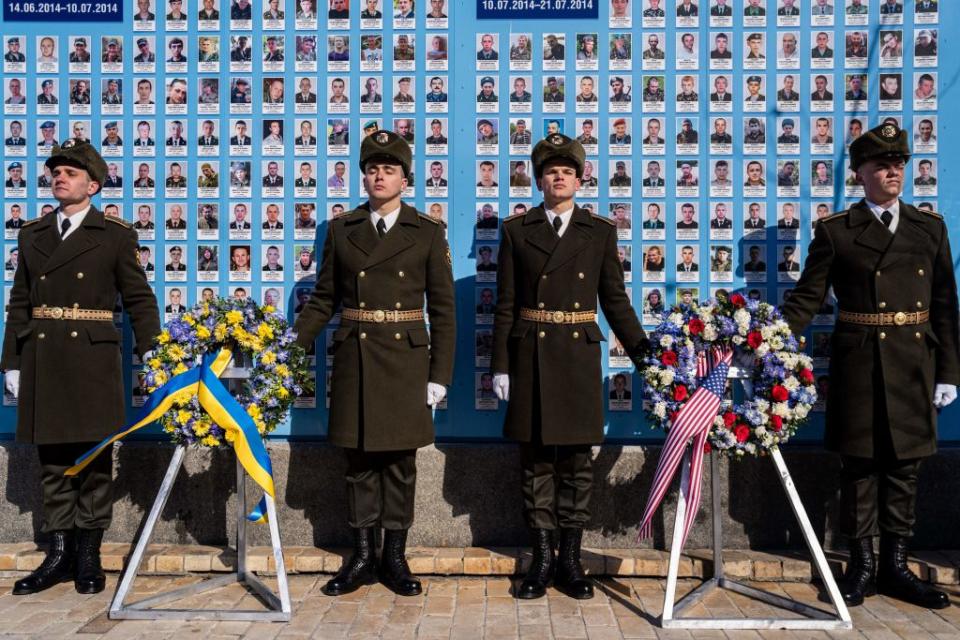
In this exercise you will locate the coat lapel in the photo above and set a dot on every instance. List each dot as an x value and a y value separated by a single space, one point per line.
575 239
541 236
874 235
80 241
397 239
909 236
362 235
47 237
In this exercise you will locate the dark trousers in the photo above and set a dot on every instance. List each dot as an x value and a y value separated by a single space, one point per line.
557 484
381 486
84 500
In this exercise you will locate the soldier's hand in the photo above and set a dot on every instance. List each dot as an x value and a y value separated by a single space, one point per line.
12 382
435 394
944 394
501 386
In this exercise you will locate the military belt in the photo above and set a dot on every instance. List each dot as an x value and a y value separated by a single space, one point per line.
898 318
71 313
558 317
382 315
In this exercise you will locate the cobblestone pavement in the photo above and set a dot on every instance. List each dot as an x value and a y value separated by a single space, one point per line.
451 607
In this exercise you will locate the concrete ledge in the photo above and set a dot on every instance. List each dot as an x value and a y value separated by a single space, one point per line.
937 567
468 495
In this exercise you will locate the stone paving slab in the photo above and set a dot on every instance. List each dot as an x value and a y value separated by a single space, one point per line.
453 607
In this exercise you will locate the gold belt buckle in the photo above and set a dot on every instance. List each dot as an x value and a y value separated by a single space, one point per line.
379 315
56 312
900 318
558 317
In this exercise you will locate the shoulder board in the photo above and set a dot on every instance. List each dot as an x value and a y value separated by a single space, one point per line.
834 216
938 216
513 218
602 219
30 222
115 220
423 216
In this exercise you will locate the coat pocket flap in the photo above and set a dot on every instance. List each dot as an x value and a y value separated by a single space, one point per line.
23 333
418 337
342 333
519 330
932 337
102 332
593 333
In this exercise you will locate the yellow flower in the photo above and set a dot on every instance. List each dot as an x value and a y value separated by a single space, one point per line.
210 441
153 363
268 357
253 410
176 353
160 377
180 368
234 317
205 311
189 319
268 308
264 331
202 332
230 435
201 429
220 331
164 337
282 392
282 370
183 417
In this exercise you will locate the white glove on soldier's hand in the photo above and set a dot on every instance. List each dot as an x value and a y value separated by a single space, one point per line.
501 386
435 393
944 394
12 382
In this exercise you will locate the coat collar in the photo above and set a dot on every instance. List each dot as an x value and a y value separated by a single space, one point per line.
364 236
59 252
891 247
560 250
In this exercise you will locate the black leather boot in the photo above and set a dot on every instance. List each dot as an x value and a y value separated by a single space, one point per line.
57 567
360 568
394 571
859 580
89 577
895 580
571 578
542 566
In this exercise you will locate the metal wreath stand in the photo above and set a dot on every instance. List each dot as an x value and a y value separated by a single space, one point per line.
278 604
814 617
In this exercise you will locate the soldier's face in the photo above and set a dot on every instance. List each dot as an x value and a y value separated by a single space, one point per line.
72 185
384 181
559 182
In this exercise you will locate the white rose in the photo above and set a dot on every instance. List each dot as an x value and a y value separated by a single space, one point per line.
791 384
776 343
676 319
762 350
710 333
666 341
781 409
660 410
800 411
666 377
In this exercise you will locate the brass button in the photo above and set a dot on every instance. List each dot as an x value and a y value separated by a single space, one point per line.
543 277
43 277
919 305
918 334
883 305
397 336
76 305
73 334
363 335
576 305
397 306
363 274
400 273
543 334
580 275
540 305
883 336
42 336
878 274
920 272
576 334
363 305
80 276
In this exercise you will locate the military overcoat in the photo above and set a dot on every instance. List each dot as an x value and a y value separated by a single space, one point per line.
378 389
873 271
71 378
555 369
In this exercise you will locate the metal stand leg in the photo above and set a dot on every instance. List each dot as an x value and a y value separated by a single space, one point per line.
816 618
279 607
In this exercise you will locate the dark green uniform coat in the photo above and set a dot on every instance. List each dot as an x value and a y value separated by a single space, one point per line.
872 271
71 383
378 389
535 266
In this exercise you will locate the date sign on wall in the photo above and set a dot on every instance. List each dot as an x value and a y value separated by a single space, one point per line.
62 11
537 9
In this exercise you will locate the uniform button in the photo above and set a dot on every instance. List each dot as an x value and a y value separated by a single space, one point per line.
397 336
919 305
918 334
363 305
400 273
883 336
576 305
920 272
878 274
76 305
540 305
42 336
543 334
576 334
73 334
883 305
43 277
363 274
580 275
80 276
363 336
543 277
397 306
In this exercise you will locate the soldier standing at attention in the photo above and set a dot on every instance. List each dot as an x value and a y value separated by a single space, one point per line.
555 262
61 355
895 359
379 262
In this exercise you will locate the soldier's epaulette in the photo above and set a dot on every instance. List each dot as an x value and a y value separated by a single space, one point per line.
115 220
938 216
513 218
602 219
30 222
833 216
423 216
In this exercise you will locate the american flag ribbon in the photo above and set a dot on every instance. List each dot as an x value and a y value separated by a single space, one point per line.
693 421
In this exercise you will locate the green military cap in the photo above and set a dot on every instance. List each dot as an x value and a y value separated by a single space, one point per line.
385 145
79 154
885 141
558 147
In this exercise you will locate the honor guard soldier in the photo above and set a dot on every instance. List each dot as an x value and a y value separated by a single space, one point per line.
555 262
61 355
379 263
894 359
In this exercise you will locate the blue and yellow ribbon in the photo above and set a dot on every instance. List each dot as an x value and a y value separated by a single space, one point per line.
204 383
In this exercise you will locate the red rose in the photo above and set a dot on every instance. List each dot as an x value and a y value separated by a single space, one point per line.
776 422
696 326
779 393
729 418
806 376
680 393
707 448
668 358
742 433
738 301
754 339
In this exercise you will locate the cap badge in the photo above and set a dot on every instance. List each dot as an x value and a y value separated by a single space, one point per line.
383 137
69 142
889 131
556 140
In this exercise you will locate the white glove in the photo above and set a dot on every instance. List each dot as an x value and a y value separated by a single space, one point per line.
943 395
12 381
501 386
435 394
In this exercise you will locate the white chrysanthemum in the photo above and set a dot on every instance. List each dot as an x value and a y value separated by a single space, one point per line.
760 431
804 361
789 360
710 333
666 341
750 448
768 331
737 340
776 343
676 319
762 405
800 411
791 383
763 349
781 409
652 374
768 441
666 377
718 422
660 410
